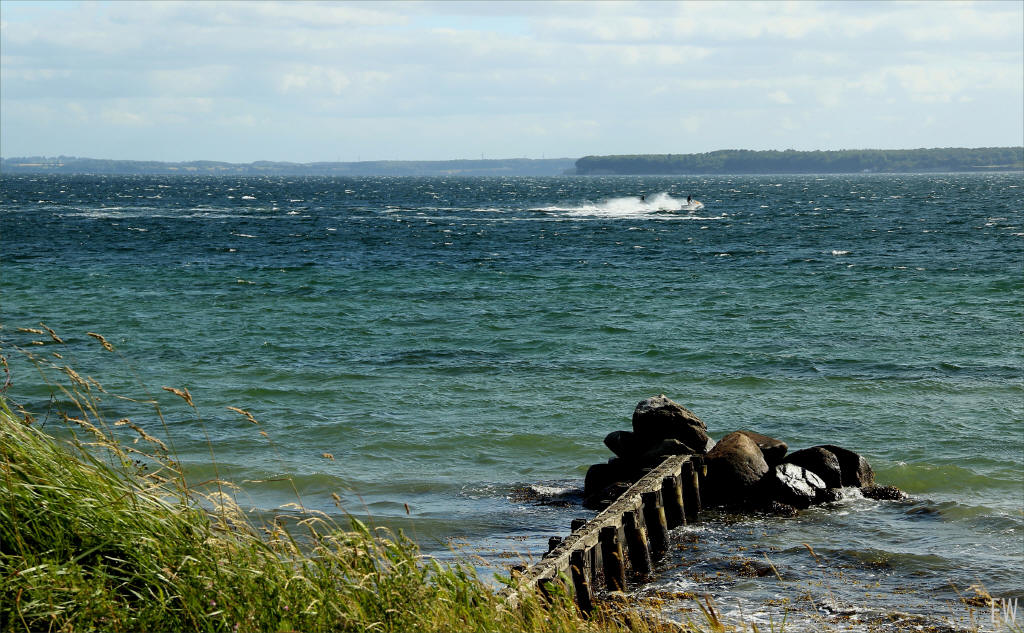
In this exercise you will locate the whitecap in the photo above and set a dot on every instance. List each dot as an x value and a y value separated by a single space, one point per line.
550 490
660 205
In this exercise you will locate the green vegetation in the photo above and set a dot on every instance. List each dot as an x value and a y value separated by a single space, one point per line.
499 167
99 530
739 161
793 162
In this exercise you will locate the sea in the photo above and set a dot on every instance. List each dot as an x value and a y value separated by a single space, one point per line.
444 356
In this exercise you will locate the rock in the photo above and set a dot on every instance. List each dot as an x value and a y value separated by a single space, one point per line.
856 470
607 496
735 468
658 418
883 493
625 444
773 450
831 495
665 448
820 461
794 485
599 477
779 509
626 469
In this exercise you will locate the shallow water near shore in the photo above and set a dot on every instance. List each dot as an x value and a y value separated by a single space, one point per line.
454 342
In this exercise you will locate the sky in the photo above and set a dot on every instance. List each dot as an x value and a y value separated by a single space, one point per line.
348 81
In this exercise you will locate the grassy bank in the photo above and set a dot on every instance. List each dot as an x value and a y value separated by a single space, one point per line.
99 530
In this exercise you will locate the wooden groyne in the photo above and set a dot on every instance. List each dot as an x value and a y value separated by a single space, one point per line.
666 464
620 545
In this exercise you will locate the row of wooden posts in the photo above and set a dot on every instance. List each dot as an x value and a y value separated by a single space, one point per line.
622 543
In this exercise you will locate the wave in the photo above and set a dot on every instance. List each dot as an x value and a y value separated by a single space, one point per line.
659 205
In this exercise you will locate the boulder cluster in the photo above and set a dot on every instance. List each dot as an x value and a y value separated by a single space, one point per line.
744 469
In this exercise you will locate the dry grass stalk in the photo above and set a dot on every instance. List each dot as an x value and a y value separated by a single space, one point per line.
52 334
181 393
248 416
92 542
104 342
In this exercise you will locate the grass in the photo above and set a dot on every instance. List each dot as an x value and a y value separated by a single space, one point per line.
100 530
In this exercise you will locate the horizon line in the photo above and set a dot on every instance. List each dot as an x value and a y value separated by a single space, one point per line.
482 159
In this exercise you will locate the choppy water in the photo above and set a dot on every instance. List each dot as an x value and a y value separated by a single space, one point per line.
451 341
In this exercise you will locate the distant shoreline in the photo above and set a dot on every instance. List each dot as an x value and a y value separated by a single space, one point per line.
720 162
852 161
99 166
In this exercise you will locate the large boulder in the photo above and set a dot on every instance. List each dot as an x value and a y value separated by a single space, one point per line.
735 468
659 418
605 482
628 470
794 485
820 461
856 470
626 444
773 450
607 497
599 477
662 450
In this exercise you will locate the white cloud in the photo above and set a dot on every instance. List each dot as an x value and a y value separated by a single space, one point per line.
124 118
313 79
573 73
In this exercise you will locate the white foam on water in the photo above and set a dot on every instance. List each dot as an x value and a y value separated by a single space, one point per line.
659 205
550 491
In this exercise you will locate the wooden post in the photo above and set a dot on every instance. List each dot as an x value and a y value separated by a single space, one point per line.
578 561
553 543
672 494
691 489
595 555
547 586
611 551
657 527
636 543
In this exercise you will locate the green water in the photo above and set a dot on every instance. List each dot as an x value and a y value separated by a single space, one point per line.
451 341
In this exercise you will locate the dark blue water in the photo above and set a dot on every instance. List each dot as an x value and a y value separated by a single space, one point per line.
451 341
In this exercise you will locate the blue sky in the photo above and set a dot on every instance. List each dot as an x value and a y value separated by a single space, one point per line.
315 81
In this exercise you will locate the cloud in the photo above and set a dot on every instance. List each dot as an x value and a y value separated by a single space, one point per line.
471 72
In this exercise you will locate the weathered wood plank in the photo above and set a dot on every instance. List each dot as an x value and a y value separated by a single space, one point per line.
585 537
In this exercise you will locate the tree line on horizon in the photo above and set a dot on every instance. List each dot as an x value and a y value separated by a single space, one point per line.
730 161
467 167
742 161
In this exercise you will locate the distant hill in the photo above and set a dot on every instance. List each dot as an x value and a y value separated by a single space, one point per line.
741 161
728 161
499 167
